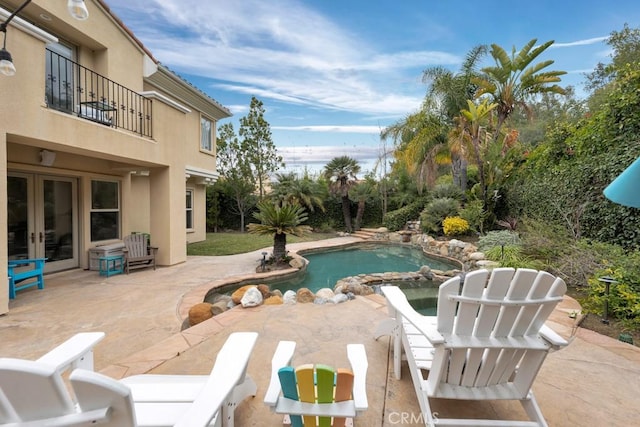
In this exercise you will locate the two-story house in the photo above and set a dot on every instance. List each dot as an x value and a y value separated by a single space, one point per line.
98 140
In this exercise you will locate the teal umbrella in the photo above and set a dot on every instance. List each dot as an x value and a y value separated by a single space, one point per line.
625 189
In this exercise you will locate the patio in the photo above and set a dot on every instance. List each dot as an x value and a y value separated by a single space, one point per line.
591 382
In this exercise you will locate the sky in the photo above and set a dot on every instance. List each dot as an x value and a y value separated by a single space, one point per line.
333 73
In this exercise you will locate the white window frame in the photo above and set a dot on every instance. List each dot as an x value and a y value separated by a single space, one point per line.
189 209
207 139
115 209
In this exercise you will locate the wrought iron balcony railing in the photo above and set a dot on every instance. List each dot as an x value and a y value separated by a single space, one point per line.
75 89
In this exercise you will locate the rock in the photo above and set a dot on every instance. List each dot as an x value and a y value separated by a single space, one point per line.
297 263
273 300
354 288
220 307
444 251
304 295
251 298
485 263
264 290
237 295
325 293
289 297
338 298
320 301
476 256
199 313
276 293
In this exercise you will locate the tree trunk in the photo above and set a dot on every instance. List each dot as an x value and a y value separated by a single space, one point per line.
279 246
346 212
359 214
459 171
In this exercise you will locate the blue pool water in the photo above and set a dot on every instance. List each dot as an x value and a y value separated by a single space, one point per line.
327 267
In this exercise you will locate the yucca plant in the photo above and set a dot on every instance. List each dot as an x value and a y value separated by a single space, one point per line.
279 221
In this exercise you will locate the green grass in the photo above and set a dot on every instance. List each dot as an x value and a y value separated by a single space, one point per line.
238 243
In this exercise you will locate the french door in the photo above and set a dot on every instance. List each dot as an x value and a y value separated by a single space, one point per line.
43 219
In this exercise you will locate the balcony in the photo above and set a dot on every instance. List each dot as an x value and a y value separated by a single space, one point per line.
74 89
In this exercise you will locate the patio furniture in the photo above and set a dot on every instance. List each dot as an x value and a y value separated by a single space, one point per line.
487 341
110 265
311 395
34 394
138 253
25 273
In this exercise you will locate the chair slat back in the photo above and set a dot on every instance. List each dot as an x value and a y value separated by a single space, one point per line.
32 391
505 304
316 384
136 245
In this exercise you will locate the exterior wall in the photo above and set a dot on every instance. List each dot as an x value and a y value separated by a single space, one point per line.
150 171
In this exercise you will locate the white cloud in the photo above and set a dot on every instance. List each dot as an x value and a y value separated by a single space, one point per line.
259 48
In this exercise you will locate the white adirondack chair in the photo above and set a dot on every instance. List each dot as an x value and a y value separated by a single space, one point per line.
317 395
33 393
487 341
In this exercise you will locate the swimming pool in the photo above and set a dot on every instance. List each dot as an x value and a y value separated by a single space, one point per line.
327 267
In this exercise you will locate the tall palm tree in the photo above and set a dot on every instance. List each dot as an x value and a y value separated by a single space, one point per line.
341 173
451 92
362 192
279 221
420 140
514 79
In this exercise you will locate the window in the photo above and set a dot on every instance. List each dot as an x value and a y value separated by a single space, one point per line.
206 134
189 209
105 210
59 77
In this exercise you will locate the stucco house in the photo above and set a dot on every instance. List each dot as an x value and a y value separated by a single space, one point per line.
98 139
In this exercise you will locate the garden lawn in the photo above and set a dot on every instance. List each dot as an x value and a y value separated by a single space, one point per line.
231 243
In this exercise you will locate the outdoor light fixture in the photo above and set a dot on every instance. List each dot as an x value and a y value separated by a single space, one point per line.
76 8
624 189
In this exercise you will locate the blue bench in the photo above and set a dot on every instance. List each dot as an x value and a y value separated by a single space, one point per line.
21 270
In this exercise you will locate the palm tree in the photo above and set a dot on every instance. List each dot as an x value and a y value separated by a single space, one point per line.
451 92
279 221
421 141
341 173
362 193
288 188
514 79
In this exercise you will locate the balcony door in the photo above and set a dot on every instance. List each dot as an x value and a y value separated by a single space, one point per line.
43 219
60 85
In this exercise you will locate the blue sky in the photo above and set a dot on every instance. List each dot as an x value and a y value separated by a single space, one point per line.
333 73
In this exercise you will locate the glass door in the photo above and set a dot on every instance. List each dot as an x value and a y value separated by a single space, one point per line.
43 219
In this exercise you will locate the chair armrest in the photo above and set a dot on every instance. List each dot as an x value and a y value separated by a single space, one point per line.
552 337
76 352
281 358
398 300
358 359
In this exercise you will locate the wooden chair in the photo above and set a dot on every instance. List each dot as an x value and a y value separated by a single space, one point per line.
138 253
487 341
314 395
25 273
33 393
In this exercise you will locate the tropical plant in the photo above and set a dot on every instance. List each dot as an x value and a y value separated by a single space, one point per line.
362 193
341 173
514 79
420 140
279 221
288 188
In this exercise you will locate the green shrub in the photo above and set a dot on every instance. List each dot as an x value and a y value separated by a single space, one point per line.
498 239
451 191
475 215
436 211
454 226
512 256
395 220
